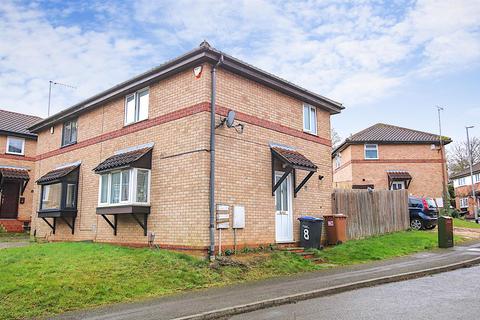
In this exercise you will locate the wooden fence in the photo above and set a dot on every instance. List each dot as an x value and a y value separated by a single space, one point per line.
372 212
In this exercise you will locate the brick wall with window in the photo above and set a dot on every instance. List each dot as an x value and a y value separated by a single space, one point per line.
25 160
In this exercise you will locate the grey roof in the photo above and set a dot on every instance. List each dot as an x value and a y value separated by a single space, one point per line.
204 53
382 133
57 174
17 123
466 172
122 159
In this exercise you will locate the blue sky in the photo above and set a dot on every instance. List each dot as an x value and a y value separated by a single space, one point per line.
389 61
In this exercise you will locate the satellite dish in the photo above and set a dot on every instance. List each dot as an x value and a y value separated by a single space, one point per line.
230 118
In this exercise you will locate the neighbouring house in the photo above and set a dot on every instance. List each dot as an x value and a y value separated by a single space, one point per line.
462 183
17 156
384 156
131 165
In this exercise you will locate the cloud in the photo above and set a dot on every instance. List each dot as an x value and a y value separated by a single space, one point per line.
355 52
34 51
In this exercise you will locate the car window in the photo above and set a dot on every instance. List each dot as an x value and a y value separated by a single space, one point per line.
414 202
431 203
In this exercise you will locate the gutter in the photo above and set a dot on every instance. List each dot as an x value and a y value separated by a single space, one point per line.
212 157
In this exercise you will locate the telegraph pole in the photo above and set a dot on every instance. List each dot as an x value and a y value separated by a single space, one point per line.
446 205
471 174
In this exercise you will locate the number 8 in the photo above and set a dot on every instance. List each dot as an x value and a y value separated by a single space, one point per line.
306 236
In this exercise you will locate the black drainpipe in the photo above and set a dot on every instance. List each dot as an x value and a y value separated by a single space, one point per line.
212 158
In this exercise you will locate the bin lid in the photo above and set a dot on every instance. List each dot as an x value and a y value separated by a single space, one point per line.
308 218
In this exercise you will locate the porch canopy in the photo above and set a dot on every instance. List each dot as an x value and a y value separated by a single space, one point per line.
14 174
135 157
58 196
399 175
291 161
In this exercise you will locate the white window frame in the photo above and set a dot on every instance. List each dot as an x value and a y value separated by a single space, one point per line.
311 110
476 177
22 153
132 188
137 106
365 151
463 203
462 181
338 161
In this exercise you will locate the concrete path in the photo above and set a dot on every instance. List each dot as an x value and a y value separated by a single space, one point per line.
13 244
446 296
201 303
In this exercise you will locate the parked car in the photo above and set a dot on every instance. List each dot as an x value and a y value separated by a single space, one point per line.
423 212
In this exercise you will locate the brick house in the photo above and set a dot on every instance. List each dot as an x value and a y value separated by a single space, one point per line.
390 157
462 183
132 164
17 156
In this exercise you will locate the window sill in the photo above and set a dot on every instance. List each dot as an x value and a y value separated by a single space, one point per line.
372 159
15 154
133 123
123 209
56 213
311 133
68 145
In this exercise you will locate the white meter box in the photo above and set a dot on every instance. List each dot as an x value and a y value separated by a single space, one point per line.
238 217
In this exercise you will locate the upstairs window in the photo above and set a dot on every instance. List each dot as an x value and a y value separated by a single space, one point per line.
128 186
371 151
309 119
338 161
136 106
462 181
69 133
476 177
16 145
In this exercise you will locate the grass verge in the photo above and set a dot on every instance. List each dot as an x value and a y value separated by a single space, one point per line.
47 279
461 223
381 247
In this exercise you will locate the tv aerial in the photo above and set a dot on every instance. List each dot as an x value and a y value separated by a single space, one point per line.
229 121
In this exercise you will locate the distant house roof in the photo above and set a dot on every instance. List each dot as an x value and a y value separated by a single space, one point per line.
17 123
204 53
466 172
382 133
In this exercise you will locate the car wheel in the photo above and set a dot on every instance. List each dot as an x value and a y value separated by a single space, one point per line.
416 224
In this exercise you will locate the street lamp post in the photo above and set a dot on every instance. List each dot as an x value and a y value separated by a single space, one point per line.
471 174
446 205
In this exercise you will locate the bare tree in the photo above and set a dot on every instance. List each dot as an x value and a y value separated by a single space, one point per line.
458 158
336 139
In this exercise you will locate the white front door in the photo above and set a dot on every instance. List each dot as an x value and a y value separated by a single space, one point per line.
283 210
397 185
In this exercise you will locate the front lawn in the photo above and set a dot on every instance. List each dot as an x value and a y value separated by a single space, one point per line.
381 247
46 279
461 223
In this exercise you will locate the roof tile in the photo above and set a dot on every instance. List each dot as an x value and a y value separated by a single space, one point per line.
18 123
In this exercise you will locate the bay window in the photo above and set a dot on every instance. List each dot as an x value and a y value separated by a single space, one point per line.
127 186
51 196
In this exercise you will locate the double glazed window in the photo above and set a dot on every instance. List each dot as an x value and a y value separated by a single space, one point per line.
309 119
69 133
51 196
463 203
136 106
371 151
338 161
462 181
128 186
15 145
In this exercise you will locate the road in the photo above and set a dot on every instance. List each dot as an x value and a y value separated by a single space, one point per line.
451 295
